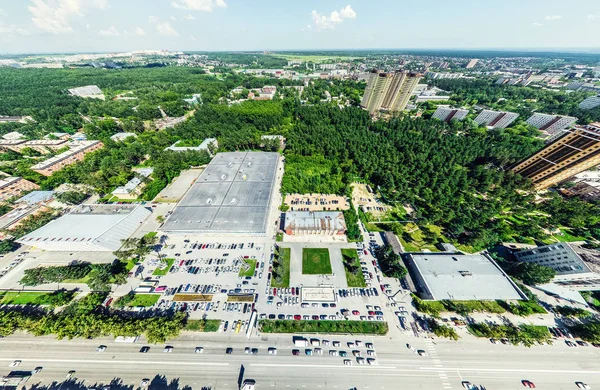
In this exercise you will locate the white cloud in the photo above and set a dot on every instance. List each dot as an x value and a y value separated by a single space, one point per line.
589 17
165 28
553 17
2 13
13 30
55 16
173 18
537 24
140 32
153 19
323 22
199 5
193 38
109 32
189 17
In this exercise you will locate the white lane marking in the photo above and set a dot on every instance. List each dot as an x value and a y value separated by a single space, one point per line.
111 361
321 366
514 370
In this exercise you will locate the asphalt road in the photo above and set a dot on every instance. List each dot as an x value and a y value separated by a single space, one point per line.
447 364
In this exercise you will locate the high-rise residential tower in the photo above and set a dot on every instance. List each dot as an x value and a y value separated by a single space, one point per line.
389 91
575 151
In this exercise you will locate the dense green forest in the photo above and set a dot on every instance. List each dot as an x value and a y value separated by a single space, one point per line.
519 99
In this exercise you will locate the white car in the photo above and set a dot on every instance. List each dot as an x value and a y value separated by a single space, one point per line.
272 351
70 374
347 362
145 382
582 385
101 348
199 350
15 363
360 360
168 349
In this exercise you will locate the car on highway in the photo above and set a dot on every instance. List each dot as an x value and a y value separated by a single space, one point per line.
422 352
101 348
308 352
369 345
347 362
145 382
144 349
37 370
168 349
356 353
371 361
295 352
356 312
272 351
14 363
229 351
254 351
527 383
70 374
371 352
360 360
319 351
198 349
582 385
343 353
333 352
336 344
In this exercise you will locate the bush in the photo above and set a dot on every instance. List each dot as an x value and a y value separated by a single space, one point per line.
441 330
390 263
522 334
569 311
351 327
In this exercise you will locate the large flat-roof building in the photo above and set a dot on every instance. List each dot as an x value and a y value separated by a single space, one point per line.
439 276
589 103
576 268
550 124
576 150
314 222
232 195
89 228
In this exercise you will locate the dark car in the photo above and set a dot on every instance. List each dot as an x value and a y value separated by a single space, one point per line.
144 349
229 351
295 352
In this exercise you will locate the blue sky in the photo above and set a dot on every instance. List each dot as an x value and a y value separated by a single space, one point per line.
119 25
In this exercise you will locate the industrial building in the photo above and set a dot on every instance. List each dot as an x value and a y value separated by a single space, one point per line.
447 113
389 91
575 151
133 188
88 91
232 195
496 119
550 124
207 144
439 276
576 268
314 222
89 228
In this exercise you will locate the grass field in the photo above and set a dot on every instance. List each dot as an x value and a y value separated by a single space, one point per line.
24 298
164 271
202 325
250 271
315 261
354 275
281 269
145 300
313 58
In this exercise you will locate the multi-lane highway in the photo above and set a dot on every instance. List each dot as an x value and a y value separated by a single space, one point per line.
446 365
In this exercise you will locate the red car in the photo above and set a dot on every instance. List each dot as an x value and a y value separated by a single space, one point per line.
275 291
315 317
371 313
297 317
366 252
356 312
527 383
295 352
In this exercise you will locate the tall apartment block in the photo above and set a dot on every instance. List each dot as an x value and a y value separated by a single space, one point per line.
589 103
574 152
550 124
471 63
389 91
76 153
496 119
447 113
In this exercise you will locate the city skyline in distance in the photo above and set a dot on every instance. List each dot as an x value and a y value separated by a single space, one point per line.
64 26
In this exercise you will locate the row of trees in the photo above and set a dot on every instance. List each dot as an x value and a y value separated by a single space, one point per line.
526 335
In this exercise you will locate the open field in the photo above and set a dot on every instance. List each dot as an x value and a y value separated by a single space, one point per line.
354 275
250 271
203 325
315 261
332 327
313 58
24 298
145 300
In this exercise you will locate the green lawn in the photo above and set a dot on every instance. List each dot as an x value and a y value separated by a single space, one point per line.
281 269
315 261
163 272
354 275
24 298
130 264
250 271
145 300
339 327
202 325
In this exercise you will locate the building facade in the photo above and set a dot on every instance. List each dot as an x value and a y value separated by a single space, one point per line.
496 119
575 267
471 63
314 222
15 186
575 151
389 91
550 124
447 113
75 154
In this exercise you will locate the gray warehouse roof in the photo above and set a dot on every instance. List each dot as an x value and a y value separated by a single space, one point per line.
89 228
460 277
231 195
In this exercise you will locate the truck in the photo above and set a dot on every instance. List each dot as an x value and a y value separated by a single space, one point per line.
300 342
